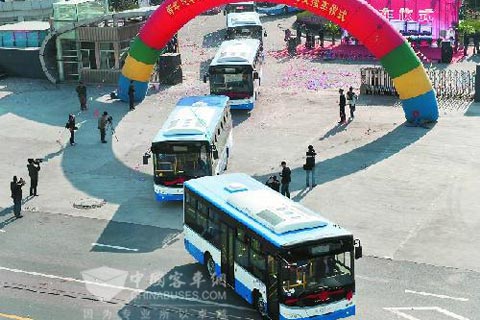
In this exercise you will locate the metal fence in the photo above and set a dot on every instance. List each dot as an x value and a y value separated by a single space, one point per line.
457 84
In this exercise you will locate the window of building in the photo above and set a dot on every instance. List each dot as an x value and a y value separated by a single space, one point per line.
87 52
107 55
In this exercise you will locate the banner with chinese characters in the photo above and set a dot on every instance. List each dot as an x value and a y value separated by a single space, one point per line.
420 17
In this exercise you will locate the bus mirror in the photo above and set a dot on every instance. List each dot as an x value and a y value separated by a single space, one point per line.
358 249
205 76
215 154
255 75
146 156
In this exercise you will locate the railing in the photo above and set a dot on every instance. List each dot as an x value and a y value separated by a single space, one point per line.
100 76
457 84
108 33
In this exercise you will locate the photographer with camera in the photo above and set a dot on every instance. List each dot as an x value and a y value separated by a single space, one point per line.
33 167
70 125
16 189
103 121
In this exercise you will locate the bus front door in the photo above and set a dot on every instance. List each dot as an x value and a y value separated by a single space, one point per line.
272 288
227 253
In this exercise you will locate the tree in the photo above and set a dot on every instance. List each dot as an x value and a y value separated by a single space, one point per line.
121 5
333 29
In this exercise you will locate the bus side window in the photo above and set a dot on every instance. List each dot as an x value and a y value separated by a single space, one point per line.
241 249
190 210
257 260
214 227
202 218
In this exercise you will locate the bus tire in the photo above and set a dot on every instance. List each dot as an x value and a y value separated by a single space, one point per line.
209 264
259 304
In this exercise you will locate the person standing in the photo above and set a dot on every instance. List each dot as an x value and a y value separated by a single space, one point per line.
131 95
16 188
342 103
102 125
33 168
286 178
352 100
71 127
310 166
82 95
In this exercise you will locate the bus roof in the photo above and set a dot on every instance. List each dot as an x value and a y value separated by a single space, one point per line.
276 218
236 52
193 119
241 19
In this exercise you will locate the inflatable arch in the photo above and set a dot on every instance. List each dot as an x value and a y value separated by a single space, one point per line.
356 16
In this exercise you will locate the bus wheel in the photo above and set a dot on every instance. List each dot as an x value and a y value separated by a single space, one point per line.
260 305
210 266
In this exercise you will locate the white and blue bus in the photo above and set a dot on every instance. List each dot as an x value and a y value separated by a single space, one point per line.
272 9
284 259
194 141
236 71
245 25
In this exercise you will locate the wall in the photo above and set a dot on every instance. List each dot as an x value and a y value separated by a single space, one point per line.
12 62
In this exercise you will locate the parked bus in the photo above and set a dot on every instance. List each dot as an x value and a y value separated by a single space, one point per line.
273 9
284 259
194 141
240 7
235 71
245 25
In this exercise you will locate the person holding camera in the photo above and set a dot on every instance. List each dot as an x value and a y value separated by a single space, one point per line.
33 167
16 189
70 125
309 166
273 183
102 125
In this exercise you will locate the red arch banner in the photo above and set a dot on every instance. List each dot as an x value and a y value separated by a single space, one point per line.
356 16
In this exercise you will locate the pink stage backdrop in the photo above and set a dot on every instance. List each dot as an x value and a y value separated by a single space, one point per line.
437 14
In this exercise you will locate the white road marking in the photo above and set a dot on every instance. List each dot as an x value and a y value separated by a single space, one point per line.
114 247
398 311
2 230
441 296
140 291
372 279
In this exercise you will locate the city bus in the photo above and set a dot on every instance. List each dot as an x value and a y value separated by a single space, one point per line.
240 7
284 259
195 141
245 25
272 9
236 71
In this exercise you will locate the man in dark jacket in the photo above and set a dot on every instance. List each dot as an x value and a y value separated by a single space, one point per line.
131 95
71 127
342 102
33 168
286 178
102 126
16 189
310 166
82 95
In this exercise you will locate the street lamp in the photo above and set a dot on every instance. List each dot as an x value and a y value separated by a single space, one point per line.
404 16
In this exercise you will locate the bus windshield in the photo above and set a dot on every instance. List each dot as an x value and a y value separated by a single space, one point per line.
245 32
179 163
313 280
240 7
236 83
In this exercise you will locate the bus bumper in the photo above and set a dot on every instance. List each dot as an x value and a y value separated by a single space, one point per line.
241 105
168 197
290 313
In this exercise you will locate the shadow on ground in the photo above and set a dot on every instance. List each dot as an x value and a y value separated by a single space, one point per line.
213 39
355 160
187 292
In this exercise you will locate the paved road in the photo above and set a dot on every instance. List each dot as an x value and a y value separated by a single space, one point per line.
54 277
